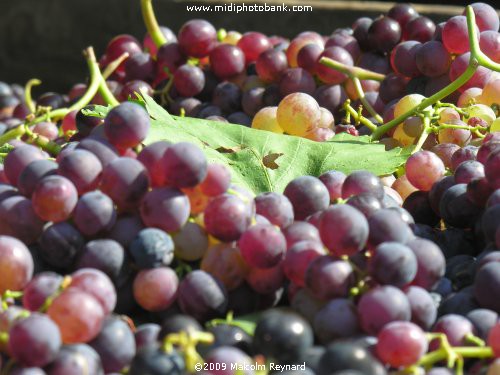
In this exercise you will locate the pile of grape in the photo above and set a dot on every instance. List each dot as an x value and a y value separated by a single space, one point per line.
120 257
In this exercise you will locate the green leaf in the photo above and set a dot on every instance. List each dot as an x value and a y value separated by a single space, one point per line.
264 161
4 150
97 111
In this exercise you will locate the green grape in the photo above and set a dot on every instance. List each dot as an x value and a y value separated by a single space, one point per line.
482 111
298 113
266 119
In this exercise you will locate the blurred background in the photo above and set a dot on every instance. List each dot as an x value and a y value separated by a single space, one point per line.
44 38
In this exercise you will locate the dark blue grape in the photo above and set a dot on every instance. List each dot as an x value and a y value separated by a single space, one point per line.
151 248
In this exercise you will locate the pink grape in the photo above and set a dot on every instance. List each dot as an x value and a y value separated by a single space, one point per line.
54 198
156 289
16 264
423 169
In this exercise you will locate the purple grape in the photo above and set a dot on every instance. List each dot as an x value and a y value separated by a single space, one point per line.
165 208
327 278
393 264
337 319
308 195
384 33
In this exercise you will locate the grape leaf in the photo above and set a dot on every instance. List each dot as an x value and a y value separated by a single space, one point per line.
264 161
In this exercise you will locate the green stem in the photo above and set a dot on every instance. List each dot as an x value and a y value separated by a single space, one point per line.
12 134
27 93
361 119
152 26
368 106
43 142
352 71
113 65
476 58
423 136
452 126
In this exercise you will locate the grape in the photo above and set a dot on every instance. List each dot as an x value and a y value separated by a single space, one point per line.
333 181
386 225
277 208
467 153
189 80
455 327
344 323
478 191
96 284
125 229
402 13
126 125
403 186
393 264
197 38
130 91
392 87
300 231
262 246
493 199
94 213
184 165
308 56
489 43
169 58
151 248
382 305
240 118
107 256
227 97
307 195
140 66
18 159
491 168
101 148
433 59
298 258
296 80
154 360
366 203
362 182
34 341
252 44
349 358
401 344
423 307
494 339
251 100
431 263
283 336
120 44
41 287
384 33
150 157
60 244
26 371
329 278
483 320
424 161
227 61
16 264
76 359
225 359
78 314
18 219
46 129
458 66
125 181
297 44
266 280
165 208
419 28
270 65
456 209
328 75
486 17
156 289
225 262
191 242
202 296
54 198
351 231
266 119
486 286
468 170
455 35
227 217
146 334
33 173
331 97
298 113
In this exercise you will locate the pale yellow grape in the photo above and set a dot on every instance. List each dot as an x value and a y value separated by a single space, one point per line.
407 103
401 136
471 95
491 93
232 37
495 125
447 116
326 121
483 112
298 113
266 119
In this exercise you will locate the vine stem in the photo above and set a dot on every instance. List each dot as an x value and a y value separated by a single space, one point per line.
476 58
423 136
151 23
27 93
368 106
352 71
361 119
